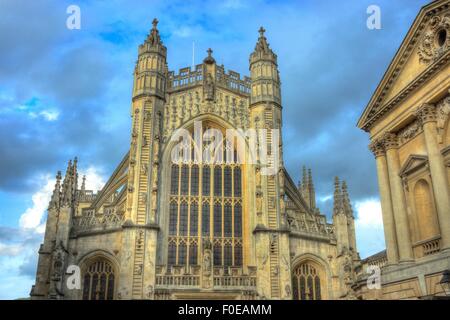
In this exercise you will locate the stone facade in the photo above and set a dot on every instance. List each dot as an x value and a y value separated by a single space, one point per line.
148 234
408 122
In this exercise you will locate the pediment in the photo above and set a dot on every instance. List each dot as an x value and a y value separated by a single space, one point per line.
413 163
423 51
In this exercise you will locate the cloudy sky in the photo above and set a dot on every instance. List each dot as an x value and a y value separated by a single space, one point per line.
66 93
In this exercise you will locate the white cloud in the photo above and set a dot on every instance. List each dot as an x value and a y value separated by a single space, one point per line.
94 180
369 227
33 216
10 250
50 115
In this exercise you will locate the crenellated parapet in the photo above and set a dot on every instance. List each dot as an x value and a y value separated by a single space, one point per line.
188 78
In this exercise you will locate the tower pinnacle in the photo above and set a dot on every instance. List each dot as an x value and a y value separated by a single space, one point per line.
209 59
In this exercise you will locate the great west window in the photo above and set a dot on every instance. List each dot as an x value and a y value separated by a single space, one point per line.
205 203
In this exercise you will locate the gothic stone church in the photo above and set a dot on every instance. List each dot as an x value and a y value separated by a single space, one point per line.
161 229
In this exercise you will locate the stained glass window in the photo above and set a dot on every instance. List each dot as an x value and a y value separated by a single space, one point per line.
98 282
205 195
306 282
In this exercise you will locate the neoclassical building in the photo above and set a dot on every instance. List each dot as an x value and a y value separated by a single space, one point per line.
408 122
168 225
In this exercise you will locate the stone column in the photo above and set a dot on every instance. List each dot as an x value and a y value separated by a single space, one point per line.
427 115
398 198
386 202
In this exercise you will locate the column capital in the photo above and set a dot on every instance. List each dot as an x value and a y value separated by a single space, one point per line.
389 140
377 148
426 113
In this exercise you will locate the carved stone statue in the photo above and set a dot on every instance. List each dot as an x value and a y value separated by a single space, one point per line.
209 89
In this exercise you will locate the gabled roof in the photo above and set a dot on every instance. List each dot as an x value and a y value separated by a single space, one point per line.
379 104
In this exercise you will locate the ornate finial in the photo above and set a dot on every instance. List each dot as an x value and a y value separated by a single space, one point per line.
310 180
154 37
304 180
262 46
209 58
337 197
336 182
346 200
344 187
261 31
55 199
155 23
83 184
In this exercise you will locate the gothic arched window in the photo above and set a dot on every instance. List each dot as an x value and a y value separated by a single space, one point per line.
306 282
98 281
205 202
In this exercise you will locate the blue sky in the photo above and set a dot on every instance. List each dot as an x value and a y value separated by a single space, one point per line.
66 93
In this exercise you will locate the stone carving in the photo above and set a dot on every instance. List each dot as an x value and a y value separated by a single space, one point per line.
409 132
390 140
208 89
123 293
144 169
377 148
442 111
426 113
435 41
207 264
287 291
138 269
143 198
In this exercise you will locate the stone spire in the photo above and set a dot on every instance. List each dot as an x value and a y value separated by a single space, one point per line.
311 191
304 178
262 49
264 74
262 45
153 42
153 37
70 184
56 196
83 184
337 197
67 185
346 204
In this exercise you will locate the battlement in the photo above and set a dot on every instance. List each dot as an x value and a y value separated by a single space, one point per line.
188 78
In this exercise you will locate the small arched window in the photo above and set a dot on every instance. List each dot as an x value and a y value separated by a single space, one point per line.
98 281
306 282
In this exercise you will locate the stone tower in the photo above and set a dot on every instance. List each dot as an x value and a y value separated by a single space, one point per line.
146 112
265 113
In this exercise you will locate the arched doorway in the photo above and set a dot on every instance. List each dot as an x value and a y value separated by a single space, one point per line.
98 280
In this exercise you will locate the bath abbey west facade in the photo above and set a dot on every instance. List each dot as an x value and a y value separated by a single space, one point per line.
161 229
